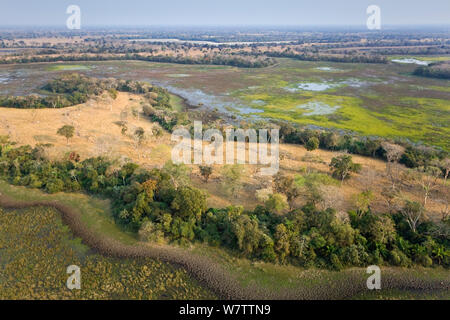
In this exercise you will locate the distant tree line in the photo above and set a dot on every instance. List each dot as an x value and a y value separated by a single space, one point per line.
413 157
350 58
213 59
436 70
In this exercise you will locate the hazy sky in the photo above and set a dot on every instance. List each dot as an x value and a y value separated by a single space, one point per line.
223 12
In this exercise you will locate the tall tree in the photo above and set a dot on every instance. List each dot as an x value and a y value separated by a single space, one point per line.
66 131
342 166
413 212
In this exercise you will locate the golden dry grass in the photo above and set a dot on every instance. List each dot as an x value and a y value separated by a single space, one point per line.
96 133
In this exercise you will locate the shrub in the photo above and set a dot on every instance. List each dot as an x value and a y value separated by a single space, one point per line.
54 186
312 144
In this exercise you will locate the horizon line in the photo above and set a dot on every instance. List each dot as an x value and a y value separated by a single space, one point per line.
220 25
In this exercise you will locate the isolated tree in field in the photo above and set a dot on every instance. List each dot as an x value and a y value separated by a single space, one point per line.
413 212
393 154
312 144
138 139
395 174
428 179
157 132
286 185
139 133
67 132
342 166
123 127
205 171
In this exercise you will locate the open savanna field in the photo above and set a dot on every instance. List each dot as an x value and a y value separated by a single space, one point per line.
98 134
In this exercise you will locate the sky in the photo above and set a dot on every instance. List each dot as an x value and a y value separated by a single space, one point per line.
222 12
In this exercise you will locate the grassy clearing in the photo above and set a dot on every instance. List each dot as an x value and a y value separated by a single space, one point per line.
417 119
68 67
438 88
100 135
